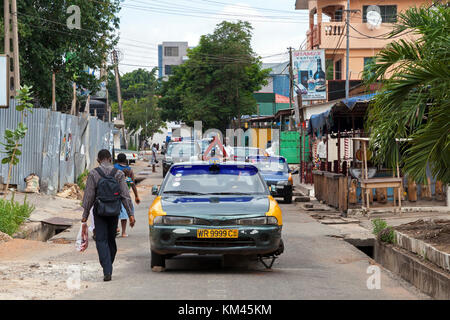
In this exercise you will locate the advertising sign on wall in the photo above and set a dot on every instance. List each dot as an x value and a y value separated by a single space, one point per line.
309 74
4 100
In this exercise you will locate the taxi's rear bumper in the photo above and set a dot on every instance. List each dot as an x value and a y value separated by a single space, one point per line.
280 190
183 239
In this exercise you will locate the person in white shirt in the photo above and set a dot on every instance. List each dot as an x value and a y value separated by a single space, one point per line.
228 148
322 150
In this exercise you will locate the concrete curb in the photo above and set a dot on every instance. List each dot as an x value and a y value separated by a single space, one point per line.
361 212
427 277
423 249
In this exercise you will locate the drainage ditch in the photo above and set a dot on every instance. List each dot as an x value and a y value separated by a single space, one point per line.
43 230
364 245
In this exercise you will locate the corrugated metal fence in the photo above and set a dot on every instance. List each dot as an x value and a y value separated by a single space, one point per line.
57 147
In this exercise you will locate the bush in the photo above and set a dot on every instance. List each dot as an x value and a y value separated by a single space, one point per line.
13 214
383 232
81 180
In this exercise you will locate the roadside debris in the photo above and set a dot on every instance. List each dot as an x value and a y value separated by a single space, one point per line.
71 191
4 237
32 182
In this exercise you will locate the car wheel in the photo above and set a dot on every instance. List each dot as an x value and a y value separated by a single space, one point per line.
157 262
280 248
288 198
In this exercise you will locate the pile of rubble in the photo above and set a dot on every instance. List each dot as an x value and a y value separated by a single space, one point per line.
71 191
4 237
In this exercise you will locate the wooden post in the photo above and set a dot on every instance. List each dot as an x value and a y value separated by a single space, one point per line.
15 34
339 145
399 189
53 91
439 191
365 172
425 191
412 190
352 192
74 99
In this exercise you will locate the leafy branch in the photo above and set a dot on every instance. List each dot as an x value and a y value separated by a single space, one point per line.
13 137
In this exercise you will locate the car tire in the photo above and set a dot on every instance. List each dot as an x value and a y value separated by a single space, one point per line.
288 198
157 262
280 248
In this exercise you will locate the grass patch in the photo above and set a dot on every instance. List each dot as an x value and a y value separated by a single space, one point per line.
383 232
13 214
81 180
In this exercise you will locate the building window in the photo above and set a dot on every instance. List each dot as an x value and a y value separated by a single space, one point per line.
388 13
168 70
338 70
171 51
330 70
338 15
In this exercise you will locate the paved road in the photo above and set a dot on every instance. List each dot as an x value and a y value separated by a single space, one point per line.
315 265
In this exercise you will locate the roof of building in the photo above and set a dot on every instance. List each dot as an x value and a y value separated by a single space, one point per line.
277 68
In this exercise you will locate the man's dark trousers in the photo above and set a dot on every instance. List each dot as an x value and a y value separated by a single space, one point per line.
105 240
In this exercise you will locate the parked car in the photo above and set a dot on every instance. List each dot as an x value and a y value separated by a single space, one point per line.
276 173
180 152
214 208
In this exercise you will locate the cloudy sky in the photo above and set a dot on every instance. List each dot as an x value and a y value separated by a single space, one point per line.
146 23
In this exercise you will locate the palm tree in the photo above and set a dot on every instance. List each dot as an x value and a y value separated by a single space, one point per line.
414 100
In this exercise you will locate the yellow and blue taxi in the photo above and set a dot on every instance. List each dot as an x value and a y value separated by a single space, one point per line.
276 173
214 208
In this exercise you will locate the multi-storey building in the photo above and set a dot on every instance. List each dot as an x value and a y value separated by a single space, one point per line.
171 54
327 30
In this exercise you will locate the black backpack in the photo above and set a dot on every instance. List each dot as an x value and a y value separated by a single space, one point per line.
107 196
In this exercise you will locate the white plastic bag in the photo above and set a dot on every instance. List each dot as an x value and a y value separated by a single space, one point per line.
91 217
82 240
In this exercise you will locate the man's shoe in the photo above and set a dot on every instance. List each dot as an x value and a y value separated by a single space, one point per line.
107 277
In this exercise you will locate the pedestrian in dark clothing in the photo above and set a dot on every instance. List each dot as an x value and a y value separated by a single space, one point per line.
105 227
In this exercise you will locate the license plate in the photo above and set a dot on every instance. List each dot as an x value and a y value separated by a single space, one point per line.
217 233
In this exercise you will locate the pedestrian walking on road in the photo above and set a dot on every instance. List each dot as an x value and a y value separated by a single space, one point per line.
106 189
122 164
153 160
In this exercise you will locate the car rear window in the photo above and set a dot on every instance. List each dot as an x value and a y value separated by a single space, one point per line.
180 149
270 164
222 179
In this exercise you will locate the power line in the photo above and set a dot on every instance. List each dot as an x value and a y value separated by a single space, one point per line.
214 16
176 8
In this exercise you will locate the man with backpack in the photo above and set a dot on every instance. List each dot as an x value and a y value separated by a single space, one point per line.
106 189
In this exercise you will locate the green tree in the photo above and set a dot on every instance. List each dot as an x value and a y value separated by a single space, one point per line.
216 84
137 84
414 101
139 103
47 45
13 137
141 113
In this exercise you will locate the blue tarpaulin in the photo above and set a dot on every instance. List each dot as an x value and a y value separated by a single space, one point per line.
350 102
318 122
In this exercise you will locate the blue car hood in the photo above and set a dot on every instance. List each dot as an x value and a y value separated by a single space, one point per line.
228 207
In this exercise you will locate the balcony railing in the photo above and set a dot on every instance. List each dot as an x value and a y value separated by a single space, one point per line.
333 28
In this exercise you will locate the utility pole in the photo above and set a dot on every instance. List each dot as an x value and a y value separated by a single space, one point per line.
347 56
298 103
11 36
119 94
104 74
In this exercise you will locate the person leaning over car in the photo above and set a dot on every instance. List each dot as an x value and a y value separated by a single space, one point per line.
105 227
